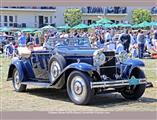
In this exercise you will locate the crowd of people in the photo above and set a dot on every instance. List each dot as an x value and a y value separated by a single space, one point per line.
135 42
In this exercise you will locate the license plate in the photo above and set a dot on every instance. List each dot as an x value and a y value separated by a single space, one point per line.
133 81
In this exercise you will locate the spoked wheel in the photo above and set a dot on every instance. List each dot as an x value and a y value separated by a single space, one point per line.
134 92
17 83
78 88
57 64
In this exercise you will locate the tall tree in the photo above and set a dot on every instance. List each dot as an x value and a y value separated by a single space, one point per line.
73 16
141 15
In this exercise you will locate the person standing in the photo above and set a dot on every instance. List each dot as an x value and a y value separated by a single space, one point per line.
37 42
29 38
108 37
125 38
22 39
148 41
141 43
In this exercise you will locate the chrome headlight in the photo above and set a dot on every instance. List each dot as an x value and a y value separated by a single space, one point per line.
123 56
99 58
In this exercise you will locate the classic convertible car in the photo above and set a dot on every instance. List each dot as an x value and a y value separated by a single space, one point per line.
71 63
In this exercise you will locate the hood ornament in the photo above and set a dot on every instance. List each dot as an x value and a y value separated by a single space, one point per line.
78 60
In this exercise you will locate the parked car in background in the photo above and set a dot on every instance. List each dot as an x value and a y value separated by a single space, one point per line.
71 63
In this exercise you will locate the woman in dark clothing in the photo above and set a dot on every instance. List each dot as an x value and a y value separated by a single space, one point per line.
29 38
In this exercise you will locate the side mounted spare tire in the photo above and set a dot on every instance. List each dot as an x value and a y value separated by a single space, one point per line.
56 65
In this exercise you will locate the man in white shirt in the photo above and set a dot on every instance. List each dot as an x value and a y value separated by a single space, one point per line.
108 36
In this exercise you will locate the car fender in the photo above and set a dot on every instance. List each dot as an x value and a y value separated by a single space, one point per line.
19 66
84 67
24 68
135 62
134 68
129 66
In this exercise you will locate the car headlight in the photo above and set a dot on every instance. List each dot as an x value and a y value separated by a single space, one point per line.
99 58
123 56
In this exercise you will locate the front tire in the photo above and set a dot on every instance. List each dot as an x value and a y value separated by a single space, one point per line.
17 83
134 92
78 88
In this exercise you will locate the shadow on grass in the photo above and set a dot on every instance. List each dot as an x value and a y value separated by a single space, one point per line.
103 100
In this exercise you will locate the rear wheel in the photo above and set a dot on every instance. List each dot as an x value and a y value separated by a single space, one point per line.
78 88
134 92
17 82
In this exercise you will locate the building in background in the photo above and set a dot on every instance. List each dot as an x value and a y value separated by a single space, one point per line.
34 17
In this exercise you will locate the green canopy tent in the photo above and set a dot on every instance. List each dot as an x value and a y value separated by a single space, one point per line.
5 30
107 26
95 25
104 21
123 25
113 25
144 24
65 27
153 23
80 26
135 26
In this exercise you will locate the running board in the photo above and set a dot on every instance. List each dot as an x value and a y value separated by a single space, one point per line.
42 84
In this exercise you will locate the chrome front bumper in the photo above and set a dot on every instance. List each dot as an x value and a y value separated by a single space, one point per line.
116 83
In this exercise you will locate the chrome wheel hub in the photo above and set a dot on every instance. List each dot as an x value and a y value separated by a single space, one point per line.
78 88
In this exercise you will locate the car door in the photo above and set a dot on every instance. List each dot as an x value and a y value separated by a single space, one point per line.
39 61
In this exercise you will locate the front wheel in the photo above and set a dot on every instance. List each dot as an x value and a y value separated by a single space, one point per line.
78 88
134 92
17 83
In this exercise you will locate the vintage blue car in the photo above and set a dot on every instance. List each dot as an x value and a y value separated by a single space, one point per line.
71 63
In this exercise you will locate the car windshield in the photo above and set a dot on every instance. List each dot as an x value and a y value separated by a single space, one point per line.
68 42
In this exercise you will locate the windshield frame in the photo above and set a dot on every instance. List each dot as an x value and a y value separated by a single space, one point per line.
82 42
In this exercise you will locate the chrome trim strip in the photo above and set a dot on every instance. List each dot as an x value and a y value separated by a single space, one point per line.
41 53
114 83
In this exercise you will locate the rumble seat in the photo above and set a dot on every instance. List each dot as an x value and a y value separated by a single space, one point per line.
25 52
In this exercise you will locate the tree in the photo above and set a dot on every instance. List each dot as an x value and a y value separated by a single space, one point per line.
141 15
73 16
